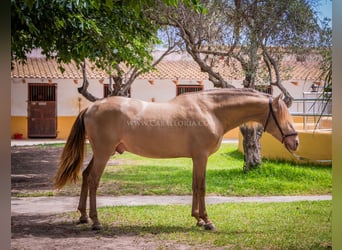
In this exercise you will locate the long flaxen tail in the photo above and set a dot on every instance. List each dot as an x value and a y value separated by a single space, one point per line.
72 156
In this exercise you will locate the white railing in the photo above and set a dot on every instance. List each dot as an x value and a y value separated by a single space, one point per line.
312 107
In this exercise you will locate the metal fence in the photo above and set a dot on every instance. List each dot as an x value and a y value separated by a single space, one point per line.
312 107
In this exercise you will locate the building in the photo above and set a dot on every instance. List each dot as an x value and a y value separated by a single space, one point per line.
45 101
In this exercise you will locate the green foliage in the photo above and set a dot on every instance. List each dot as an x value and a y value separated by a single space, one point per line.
106 32
80 29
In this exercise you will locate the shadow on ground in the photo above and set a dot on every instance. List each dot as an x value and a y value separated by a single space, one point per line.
55 226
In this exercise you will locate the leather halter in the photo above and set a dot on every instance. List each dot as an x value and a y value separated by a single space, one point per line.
271 113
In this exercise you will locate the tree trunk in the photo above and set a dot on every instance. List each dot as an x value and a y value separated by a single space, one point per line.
251 132
251 145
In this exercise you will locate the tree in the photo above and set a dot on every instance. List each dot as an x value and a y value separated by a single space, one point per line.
253 33
326 66
111 34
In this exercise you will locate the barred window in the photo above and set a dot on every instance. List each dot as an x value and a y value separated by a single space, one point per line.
268 89
107 93
42 92
181 89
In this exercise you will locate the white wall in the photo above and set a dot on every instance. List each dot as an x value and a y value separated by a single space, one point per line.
160 90
19 95
70 102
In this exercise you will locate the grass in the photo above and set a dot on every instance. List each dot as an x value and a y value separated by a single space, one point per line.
295 225
130 174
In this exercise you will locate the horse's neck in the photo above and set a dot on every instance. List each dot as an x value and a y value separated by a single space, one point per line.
235 110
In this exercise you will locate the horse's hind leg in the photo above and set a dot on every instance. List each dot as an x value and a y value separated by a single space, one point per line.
82 205
199 187
99 163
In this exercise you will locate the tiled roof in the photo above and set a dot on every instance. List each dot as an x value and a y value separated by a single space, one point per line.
179 69
42 68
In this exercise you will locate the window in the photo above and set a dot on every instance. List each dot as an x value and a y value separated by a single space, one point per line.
106 91
181 89
268 89
42 92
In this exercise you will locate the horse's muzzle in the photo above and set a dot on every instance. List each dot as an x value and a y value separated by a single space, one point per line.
291 143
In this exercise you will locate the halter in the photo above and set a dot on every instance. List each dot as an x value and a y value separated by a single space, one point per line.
271 113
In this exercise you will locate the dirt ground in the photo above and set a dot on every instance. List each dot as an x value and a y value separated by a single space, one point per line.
33 169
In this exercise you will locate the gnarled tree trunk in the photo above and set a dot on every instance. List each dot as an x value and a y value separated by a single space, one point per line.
251 133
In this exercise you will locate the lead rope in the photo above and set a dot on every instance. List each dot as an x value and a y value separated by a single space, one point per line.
302 158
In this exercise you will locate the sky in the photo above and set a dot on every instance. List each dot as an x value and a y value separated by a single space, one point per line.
325 8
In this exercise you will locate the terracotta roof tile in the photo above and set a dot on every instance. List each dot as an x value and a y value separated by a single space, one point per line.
186 69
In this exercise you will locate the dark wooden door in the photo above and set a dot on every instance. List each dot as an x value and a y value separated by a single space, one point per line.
42 118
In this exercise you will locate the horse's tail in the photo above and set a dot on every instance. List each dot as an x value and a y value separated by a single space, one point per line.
72 156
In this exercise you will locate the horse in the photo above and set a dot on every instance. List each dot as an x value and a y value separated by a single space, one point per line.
189 125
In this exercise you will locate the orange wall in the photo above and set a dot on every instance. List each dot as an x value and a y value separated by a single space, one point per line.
316 146
19 126
232 134
64 124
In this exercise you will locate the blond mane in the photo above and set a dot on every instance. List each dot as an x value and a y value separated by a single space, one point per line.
283 113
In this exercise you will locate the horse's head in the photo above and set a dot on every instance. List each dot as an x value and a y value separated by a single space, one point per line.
279 124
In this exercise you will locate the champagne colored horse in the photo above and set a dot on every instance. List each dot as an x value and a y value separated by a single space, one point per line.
190 125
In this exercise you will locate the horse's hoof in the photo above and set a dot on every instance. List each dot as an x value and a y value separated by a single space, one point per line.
96 227
83 221
210 226
200 223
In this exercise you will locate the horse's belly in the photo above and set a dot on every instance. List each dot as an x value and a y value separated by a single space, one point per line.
168 142
154 149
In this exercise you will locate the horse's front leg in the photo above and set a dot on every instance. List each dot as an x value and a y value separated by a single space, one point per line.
199 187
82 205
195 201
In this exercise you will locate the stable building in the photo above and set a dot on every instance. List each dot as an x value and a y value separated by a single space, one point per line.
45 101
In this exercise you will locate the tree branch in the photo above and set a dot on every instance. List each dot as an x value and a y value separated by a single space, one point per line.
123 80
83 90
271 63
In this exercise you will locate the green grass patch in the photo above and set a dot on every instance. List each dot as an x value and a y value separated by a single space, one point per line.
35 194
56 145
294 225
132 174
